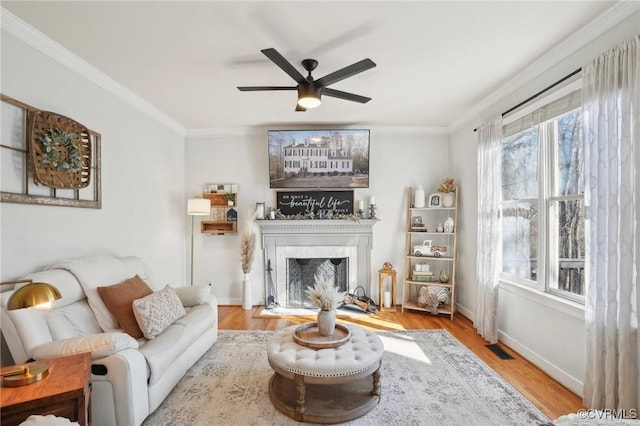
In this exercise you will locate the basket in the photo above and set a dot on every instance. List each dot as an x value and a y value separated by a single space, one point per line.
44 173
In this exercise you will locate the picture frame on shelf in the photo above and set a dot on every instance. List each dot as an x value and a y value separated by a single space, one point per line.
435 200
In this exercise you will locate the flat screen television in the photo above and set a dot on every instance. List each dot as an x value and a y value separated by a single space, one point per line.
319 158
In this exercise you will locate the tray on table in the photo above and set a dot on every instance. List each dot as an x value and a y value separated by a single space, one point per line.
309 335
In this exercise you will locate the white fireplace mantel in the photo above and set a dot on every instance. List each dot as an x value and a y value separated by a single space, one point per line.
277 234
337 226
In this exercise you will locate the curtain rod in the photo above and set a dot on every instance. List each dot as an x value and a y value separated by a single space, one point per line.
530 98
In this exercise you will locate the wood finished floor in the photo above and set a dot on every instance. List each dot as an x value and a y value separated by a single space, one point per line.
549 396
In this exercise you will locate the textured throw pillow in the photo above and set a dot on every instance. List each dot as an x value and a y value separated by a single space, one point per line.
118 299
157 311
192 295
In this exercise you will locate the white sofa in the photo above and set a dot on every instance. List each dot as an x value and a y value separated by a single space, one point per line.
130 377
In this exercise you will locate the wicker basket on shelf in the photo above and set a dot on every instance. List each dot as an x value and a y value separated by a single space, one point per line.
55 164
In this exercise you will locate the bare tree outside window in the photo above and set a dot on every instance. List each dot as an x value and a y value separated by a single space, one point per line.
543 205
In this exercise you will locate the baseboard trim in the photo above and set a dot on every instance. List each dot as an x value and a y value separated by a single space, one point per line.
561 376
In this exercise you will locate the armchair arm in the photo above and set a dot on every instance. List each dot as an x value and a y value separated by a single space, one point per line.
100 345
119 393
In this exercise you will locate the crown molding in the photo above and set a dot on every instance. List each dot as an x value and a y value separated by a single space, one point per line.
52 49
575 41
243 131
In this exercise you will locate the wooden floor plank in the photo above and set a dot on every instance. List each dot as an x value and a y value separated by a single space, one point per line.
549 396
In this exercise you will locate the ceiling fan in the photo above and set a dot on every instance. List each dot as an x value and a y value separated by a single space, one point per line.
310 90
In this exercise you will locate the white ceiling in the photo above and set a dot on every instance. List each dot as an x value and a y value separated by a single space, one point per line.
435 60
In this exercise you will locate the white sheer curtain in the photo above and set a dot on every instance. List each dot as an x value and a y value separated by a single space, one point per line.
489 230
612 119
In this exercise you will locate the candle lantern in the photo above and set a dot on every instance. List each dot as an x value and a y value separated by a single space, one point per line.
386 294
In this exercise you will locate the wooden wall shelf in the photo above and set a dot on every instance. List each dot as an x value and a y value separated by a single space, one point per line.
221 212
218 228
220 199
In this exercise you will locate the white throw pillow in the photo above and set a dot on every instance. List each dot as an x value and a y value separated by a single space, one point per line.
157 311
193 295
100 345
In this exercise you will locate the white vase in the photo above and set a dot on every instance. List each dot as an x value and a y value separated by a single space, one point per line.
418 197
326 322
447 199
246 293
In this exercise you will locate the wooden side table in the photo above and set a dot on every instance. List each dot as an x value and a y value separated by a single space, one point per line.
65 392
387 271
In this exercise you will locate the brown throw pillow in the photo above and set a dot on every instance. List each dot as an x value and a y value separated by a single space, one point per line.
119 300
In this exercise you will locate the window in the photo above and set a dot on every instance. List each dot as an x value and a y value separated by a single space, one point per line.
543 207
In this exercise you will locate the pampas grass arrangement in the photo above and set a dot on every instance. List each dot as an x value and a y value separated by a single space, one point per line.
325 295
246 250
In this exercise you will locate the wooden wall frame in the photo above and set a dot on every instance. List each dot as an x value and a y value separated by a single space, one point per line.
15 160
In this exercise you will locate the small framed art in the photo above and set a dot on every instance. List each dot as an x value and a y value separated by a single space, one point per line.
435 200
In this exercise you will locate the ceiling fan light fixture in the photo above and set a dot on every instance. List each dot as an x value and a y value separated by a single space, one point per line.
309 97
309 102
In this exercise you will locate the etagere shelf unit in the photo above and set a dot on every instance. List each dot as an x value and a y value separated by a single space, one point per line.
430 250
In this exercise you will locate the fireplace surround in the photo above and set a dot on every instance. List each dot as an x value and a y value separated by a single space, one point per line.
341 238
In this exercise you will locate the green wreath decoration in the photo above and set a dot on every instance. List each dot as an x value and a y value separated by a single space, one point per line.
54 157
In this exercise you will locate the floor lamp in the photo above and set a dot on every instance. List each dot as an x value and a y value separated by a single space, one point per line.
197 207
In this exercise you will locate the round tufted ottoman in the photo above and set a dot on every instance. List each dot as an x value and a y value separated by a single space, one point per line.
330 385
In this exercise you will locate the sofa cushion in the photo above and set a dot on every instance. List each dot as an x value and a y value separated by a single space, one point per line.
157 311
119 300
162 351
75 320
192 295
100 346
93 272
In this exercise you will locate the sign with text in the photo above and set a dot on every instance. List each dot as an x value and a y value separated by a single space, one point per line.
300 202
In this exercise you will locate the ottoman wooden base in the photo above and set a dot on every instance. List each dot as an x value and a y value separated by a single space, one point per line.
324 403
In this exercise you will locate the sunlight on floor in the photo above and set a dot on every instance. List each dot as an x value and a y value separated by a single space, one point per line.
404 346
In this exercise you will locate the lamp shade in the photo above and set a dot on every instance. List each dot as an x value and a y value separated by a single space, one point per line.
309 96
199 207
38 295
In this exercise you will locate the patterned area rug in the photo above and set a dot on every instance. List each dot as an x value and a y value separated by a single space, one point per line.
428 378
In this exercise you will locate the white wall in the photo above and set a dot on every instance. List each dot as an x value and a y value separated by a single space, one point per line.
399 158
143 204
547 332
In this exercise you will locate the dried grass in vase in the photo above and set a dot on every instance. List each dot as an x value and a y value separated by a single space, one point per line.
246 250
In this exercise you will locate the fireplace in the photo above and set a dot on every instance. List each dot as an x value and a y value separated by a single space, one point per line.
303 272
295 251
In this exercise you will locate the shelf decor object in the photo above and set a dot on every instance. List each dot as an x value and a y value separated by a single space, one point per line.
196 207
447 187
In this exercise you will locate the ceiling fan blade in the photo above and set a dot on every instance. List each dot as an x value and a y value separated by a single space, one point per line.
345 72
258 88
300 108
345 95
285 65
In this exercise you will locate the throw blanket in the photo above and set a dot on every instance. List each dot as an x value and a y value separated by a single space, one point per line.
94 272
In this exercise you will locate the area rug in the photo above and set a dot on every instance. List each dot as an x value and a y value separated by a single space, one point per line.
428 378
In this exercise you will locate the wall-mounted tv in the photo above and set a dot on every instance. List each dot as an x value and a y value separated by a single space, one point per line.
319 158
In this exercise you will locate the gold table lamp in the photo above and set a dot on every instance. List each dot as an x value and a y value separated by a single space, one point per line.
32 295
